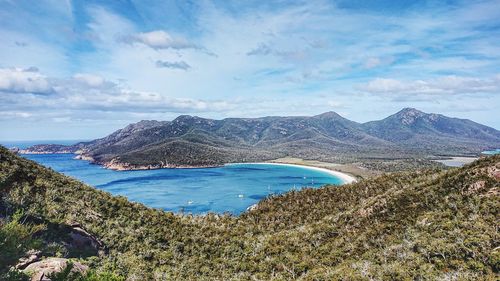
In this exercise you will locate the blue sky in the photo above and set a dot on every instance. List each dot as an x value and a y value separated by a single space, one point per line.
82 69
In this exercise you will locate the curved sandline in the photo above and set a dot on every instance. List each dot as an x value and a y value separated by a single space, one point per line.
342 176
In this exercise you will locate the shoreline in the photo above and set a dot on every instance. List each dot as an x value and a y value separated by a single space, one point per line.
456 161
117 166
345 178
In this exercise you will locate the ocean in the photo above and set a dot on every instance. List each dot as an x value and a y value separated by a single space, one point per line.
232 188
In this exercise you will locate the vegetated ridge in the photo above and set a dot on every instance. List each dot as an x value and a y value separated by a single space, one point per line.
424 225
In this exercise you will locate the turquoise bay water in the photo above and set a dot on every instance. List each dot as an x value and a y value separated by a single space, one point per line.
231 188
492 152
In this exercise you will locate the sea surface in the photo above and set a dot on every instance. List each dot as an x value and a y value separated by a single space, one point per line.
492 152
232 188
457 161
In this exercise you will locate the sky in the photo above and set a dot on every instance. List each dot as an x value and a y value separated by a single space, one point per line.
75 69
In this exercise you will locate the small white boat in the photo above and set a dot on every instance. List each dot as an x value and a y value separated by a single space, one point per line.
241 196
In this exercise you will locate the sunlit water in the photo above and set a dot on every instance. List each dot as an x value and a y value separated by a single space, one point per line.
492 152
231 188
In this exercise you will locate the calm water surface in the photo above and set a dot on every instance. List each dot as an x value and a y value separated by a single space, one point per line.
232 188
492 152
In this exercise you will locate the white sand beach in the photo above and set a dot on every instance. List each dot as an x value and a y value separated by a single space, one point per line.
344 177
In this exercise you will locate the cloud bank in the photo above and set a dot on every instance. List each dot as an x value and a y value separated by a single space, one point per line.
17 80
442 86
24 91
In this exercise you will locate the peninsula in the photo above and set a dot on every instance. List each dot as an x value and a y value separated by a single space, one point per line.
406 139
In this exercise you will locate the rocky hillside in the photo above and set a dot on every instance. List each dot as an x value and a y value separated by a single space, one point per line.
434 132
426 225
195 141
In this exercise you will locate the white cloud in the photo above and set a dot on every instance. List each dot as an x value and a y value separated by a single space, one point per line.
19 80
90 79
14 114
446 85
21 92
160 39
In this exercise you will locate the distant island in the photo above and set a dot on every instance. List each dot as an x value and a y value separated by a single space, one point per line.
190 141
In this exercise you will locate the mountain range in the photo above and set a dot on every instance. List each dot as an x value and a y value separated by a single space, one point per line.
190 141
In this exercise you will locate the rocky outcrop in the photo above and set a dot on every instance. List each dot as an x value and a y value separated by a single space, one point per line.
78 241
31 257
116 165
252 208
84 157
81 239
119 166
41 270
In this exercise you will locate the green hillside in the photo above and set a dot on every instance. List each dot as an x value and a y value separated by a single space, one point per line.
426 225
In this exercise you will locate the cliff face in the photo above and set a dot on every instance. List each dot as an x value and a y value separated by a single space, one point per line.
432 224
